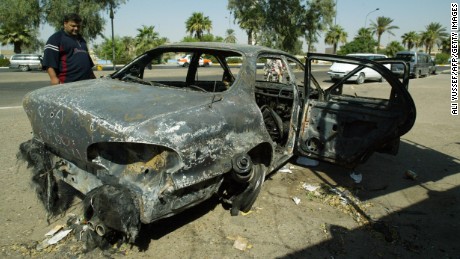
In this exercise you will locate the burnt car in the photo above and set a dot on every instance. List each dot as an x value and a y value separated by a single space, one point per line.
152 139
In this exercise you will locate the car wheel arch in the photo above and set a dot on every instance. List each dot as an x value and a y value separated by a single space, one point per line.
262 154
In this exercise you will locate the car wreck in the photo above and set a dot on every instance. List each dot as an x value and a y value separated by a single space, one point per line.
152 139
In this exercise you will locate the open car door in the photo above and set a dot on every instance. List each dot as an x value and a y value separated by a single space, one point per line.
344 123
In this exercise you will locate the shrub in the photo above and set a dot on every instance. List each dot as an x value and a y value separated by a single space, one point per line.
4 62
442 58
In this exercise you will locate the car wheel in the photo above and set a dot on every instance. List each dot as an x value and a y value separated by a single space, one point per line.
24 68
249 196
360 78
417 75
186 64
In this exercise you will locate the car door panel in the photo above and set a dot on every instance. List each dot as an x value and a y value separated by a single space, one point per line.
345 130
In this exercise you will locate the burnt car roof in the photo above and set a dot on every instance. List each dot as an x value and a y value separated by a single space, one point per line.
242 48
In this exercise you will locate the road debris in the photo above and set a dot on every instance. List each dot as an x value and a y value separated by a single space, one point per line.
310 187
240 243
357 177
305 161
409 174
54 230
58 236
285 169
296 200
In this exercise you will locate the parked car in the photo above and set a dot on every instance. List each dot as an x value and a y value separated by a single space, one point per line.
419 63
141 145
26 62
185 61
340 70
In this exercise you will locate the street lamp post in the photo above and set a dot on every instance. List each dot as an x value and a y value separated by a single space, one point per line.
365 21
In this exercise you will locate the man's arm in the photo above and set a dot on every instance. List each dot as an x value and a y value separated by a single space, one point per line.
53 76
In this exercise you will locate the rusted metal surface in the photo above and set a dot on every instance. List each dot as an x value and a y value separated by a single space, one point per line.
172 144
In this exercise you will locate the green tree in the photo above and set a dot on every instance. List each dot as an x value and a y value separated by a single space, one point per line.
19 23
285 18
434 33
410 39
205 38
197 24
146 38
104 50
446 45
392 48
334 36
129 44
230 38
18 37
90 11
362 43
382 25
318 17
250 16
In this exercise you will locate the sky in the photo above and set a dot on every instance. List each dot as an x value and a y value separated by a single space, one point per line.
169 17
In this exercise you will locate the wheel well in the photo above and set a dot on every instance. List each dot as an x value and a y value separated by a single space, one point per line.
261 154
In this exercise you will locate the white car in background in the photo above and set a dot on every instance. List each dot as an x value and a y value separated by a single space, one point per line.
340 70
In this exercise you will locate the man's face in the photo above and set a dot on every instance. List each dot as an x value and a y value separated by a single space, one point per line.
72 27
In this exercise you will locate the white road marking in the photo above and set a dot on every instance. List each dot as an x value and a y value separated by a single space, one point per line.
10 107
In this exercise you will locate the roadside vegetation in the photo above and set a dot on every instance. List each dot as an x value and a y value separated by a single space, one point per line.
285 25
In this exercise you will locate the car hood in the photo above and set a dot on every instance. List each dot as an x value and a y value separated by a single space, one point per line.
75 115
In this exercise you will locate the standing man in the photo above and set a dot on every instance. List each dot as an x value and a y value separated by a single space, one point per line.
66 57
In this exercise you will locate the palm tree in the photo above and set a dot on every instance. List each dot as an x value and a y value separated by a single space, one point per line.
230 38
336 35
197 24
129 44
410 39
19 37
364 33
392 48
382 25
318 17
446 45
146 38
434 33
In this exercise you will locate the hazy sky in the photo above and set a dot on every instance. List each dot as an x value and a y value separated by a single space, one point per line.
169 17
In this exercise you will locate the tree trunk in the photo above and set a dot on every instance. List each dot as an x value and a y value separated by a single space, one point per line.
250 39
17 47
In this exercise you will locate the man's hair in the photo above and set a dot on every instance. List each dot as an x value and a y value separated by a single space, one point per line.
72 17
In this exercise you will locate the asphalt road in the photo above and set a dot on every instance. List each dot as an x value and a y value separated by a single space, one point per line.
14 84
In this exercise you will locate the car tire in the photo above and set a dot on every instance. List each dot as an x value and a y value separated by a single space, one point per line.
361 78
259 173
24 68
186 64
417 74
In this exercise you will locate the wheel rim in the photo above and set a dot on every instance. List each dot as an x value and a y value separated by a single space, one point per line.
360 79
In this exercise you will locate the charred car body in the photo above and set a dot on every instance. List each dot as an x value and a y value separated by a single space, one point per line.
142 145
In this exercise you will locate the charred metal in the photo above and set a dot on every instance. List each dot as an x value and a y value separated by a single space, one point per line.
143 144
